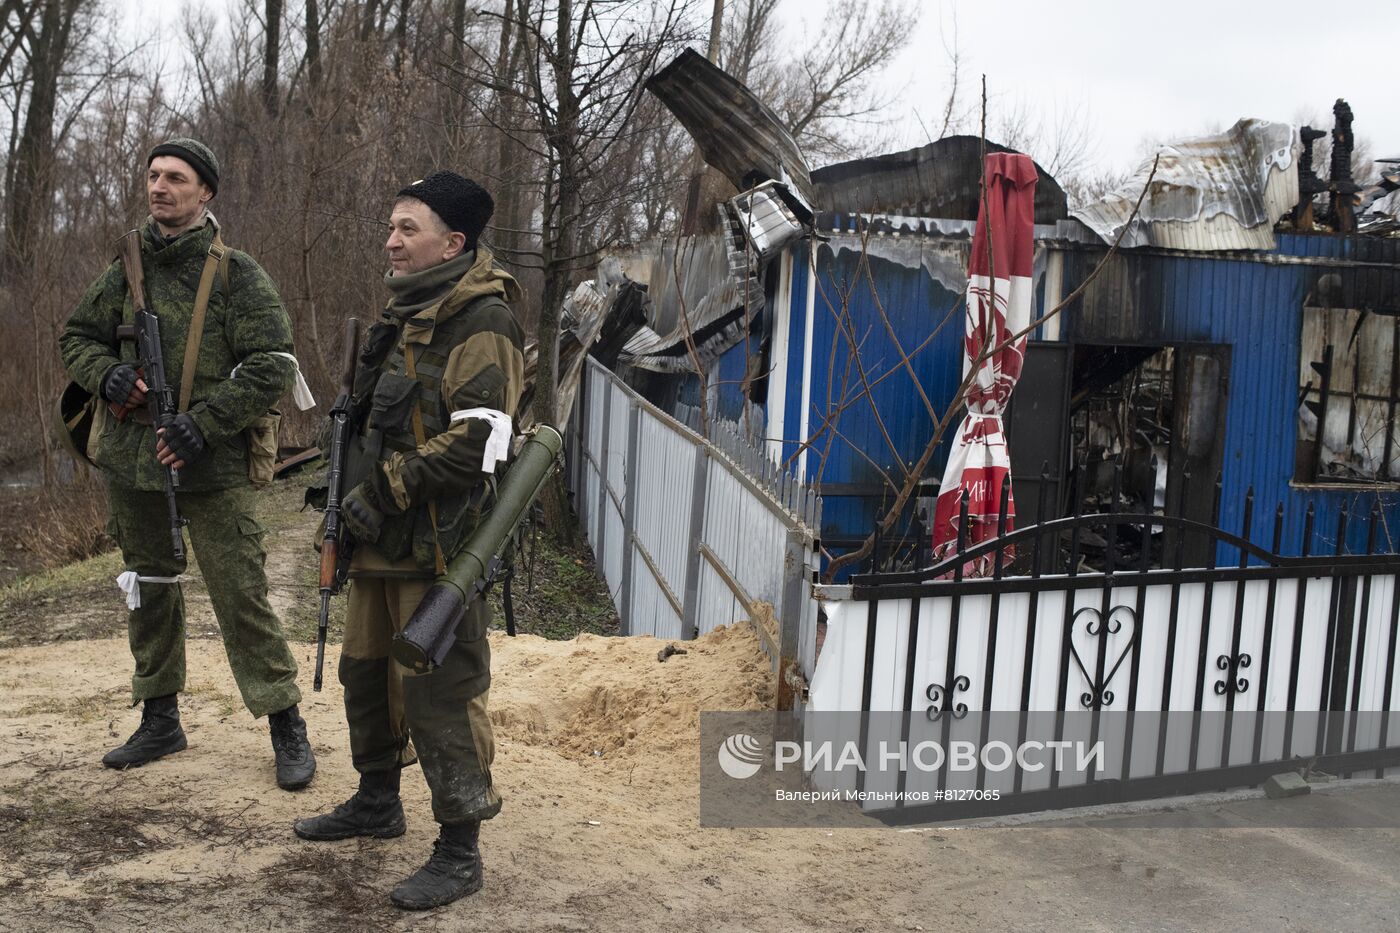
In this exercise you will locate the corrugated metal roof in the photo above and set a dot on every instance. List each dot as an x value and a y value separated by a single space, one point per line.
1212 193
940 179
735 131
696 274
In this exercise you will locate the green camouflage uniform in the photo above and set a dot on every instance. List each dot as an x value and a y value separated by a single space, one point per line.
243 328
467 352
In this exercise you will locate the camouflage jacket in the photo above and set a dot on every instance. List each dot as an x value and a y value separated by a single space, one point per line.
242 328
468 352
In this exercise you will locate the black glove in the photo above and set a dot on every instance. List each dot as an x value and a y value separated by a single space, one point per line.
184 438
363 513
120 384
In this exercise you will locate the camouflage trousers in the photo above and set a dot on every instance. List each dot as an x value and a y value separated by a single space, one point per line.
441 716
227 542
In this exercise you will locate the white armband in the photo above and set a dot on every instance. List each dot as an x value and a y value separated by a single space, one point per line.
301 392
498 444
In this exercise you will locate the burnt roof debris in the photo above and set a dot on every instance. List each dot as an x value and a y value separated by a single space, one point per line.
706 286
736 132
765 218
1348 207
1309 184
598 318
941 179
1210 193
1343 187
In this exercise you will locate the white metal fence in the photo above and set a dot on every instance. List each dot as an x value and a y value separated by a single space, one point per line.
1196 678
689 533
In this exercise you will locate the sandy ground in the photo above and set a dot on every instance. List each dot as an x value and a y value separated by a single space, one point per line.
597 760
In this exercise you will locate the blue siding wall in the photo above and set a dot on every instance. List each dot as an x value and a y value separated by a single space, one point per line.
1254 307
857 452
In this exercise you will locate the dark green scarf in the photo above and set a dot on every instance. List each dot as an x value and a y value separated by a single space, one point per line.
418 291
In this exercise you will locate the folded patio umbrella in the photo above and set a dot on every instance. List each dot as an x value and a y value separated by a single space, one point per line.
999 299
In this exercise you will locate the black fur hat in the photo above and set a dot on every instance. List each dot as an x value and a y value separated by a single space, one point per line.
462 204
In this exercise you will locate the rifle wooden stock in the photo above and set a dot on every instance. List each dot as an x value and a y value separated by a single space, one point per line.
334 555
328 559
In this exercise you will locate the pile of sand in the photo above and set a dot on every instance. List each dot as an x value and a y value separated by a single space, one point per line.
600 697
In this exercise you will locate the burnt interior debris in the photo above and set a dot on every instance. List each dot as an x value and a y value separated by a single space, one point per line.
1123 409
1349 389
1349 203
1309 184
1343 187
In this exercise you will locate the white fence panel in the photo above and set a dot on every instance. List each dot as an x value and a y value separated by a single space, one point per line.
692 533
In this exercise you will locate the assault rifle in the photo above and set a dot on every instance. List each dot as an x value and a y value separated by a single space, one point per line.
160 396
335 553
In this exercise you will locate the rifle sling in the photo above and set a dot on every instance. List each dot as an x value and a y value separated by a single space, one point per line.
215 261
420 439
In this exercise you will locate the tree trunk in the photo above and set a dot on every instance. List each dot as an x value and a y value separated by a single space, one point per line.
272 49
401 38
370 12
313 43
506 192
459 29
31 183
560 223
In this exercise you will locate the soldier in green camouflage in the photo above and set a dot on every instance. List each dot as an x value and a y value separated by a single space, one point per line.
244 364
437 386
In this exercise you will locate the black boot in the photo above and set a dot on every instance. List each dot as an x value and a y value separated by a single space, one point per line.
296 763
453 870
158 735
374 811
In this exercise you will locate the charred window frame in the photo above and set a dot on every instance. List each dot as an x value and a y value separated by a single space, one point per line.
1348 391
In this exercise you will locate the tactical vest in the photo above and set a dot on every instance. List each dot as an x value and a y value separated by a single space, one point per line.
392 397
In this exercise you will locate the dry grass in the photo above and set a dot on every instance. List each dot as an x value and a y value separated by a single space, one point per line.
49 526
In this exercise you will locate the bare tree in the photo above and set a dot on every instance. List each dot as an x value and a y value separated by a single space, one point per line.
29 188
824 87
578 91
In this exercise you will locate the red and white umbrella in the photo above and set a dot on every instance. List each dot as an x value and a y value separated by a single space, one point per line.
997 308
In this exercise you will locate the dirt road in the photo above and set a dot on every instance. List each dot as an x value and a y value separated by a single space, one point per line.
597 761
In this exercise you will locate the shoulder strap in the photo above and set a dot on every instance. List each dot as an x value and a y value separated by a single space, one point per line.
217 260
420 438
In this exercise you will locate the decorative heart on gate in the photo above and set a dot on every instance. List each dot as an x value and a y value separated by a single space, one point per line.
1098 629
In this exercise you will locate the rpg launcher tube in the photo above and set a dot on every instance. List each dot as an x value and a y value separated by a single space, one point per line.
431 632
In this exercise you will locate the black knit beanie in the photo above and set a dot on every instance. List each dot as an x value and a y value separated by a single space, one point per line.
199 156
462 204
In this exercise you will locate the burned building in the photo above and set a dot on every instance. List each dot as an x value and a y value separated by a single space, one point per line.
1245 327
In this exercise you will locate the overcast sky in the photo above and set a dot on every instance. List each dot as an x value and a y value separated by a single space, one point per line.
1140 71
1134 71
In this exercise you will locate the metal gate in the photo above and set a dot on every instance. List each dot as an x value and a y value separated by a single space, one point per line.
1201 678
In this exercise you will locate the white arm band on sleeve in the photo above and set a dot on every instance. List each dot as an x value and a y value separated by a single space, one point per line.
498 444
301 392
